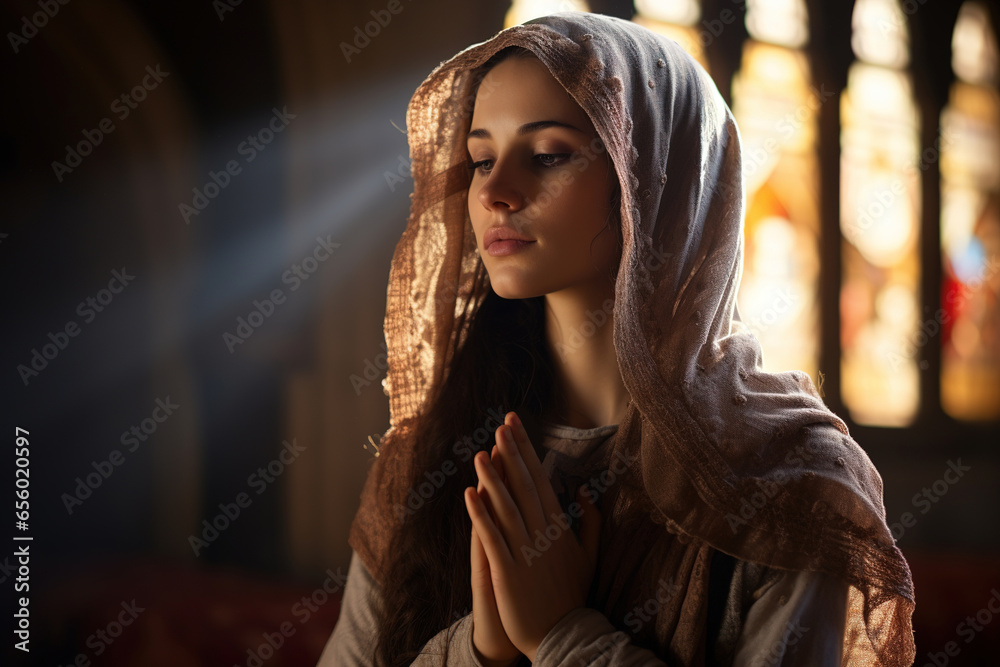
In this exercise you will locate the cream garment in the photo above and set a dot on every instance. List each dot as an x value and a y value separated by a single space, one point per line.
770 617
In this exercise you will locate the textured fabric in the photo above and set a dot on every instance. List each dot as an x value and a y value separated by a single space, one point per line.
352 643
721 455
767 617
796 620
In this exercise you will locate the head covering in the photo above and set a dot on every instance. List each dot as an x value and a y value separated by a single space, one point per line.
729 457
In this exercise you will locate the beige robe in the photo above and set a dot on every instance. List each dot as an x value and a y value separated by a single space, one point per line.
771 617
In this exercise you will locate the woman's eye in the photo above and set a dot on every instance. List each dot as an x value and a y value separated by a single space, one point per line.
544 159
480 165
552 159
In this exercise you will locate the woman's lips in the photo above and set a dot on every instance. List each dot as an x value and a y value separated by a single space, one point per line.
508 247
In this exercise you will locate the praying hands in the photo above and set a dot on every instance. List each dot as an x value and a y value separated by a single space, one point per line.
520 592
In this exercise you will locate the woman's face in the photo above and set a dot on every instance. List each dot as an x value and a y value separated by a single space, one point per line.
541 172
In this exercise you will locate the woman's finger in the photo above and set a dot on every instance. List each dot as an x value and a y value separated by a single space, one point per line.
493 542
523 487
481 488
497 459
526 450
508 517
482 584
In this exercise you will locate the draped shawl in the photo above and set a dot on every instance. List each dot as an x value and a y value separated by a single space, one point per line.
727 457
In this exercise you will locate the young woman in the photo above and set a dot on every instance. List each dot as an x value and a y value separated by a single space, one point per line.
563 336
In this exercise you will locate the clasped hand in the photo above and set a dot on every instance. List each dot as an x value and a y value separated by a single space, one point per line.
523 581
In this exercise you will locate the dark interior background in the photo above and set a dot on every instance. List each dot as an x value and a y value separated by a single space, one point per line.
161 336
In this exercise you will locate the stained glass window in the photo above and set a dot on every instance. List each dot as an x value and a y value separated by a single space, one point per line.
776 108
880 213
969 318
678 20
879 35
781 22
525 10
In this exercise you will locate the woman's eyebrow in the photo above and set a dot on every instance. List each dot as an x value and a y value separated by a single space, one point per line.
527 128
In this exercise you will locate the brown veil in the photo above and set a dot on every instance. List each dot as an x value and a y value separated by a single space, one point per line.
731 458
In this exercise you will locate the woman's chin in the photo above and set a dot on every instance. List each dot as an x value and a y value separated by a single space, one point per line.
515 289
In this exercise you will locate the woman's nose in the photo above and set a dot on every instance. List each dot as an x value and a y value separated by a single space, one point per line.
501 189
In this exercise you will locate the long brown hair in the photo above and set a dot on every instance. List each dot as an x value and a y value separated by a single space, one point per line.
504 364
